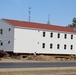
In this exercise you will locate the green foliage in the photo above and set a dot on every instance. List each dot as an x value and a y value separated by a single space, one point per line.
73 25
74 20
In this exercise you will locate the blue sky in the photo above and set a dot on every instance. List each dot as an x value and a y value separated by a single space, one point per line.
61 11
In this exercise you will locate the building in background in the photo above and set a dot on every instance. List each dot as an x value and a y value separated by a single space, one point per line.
28 37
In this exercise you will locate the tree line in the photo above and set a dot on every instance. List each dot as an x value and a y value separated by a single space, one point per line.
73 25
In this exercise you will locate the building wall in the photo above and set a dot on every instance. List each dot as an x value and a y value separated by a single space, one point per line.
55 40
25 40
31 41
7 36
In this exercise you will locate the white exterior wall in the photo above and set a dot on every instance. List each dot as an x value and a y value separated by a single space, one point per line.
25 40
30 41
6 36
54 40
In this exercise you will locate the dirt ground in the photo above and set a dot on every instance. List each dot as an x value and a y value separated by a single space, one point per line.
39 71
36 58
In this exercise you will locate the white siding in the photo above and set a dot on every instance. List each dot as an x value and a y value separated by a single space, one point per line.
54 40
6 36
25 41
30 41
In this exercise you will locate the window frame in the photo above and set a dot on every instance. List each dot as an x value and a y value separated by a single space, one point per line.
65 36
71 47
58 35
71 36
44 34
58 46
1 43
51 46
1 31
8 42
51 34
65 46
9 29
43 45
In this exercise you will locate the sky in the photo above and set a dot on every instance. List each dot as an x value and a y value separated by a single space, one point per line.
61 11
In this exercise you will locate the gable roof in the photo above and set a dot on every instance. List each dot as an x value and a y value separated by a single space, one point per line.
39 26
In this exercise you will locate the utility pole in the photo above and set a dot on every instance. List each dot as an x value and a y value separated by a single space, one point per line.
29 13
48 19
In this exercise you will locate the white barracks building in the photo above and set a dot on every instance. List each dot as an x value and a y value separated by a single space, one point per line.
28 37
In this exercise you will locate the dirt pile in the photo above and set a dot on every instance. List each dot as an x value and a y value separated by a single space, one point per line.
41 58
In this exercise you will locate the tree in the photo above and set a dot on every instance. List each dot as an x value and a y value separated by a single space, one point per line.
70 25
74 22
73 25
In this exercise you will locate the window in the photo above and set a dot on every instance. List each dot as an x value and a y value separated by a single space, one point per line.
43 45
58 46
9 29
51 46
65 46
1 43
8 42
58 35
43 34
71 47
51 34
65 36
71 36
1 31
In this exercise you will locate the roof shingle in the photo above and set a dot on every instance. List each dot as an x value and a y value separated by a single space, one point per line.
39 26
